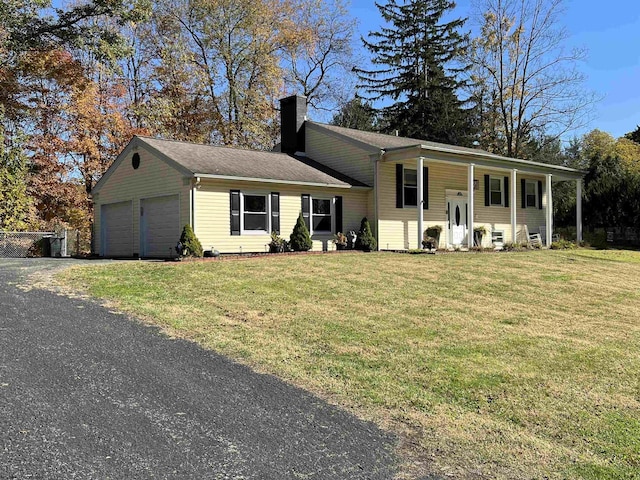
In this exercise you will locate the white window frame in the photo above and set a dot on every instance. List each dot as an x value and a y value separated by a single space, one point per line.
404 186
535 194
497 237
501 180
268 213
332 204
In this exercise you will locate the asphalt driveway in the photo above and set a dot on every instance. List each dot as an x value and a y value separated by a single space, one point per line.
87 393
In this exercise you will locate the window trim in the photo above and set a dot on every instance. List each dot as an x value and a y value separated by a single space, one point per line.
535 193
501 180
404 186
267 197
332 214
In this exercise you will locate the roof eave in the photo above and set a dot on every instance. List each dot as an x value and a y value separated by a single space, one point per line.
275 180
484 159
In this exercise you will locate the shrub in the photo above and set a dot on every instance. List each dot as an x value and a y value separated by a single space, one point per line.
300 240
366 241
563 245
191 246
513 247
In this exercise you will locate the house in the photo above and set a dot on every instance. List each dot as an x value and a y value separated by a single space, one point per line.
234 198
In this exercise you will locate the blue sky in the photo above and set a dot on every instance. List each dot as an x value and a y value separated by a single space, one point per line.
609 30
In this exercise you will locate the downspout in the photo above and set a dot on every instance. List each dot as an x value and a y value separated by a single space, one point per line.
192 205
376 183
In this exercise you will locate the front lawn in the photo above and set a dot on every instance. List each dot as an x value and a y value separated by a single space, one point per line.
486 365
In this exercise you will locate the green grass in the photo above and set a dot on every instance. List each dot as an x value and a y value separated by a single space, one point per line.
499 366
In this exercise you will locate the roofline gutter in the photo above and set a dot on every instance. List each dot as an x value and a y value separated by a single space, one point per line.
269 180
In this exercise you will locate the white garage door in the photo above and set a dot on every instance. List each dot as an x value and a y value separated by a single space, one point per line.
116 224
159 226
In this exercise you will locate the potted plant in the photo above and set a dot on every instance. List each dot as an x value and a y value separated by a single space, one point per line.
340 239
277 244
431 237
478 233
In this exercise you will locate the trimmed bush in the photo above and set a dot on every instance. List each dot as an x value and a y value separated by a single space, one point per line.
300 240
191 246
366 240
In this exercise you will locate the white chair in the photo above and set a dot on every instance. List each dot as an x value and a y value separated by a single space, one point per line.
533 238
555 237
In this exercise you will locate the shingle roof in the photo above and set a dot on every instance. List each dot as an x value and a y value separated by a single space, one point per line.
381 140
251 164
376 141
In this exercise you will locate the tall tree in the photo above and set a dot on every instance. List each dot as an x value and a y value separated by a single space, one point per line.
524 76
36 25
356 113
14 202
321 59
233 47
416 59
635 135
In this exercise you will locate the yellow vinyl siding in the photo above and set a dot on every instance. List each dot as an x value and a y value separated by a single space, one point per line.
212 213
397 227
339 155
152 179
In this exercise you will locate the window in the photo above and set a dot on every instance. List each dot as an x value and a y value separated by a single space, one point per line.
321 215
531 192
496 191
255 213
410 187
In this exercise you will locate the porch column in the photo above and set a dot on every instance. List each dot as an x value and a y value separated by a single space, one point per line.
470 205
420 200
579 210
513 200
549 222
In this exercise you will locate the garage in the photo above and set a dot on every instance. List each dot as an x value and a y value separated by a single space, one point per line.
159 226
117 229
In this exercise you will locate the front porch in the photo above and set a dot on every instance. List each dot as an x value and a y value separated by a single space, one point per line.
511 199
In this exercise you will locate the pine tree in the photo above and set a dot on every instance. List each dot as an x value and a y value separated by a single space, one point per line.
356 113
190 243
414 56
366 241
300 238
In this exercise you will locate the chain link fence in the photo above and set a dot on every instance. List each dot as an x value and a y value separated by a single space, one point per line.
24 244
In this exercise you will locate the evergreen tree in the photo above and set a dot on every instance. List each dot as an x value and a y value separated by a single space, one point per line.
366 241
190 243
300 238
413 56
635 135
356 113
14 199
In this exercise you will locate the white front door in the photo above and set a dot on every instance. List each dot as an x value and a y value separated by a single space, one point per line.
457 213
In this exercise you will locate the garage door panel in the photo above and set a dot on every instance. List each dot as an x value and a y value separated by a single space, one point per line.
160 225
117 229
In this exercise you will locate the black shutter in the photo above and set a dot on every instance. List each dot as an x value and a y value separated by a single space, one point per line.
305 210
235 212
506 191
275 212
540 194
338 211
425 187
487 191
523 192
399 185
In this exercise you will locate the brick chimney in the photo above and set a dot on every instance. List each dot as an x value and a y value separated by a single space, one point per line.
293 113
